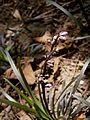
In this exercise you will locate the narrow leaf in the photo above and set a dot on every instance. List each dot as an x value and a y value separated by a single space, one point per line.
77 78
6 95
29 101
66 12
18 105
81 38
19 77
82 100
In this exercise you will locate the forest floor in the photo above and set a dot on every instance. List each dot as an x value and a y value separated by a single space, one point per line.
45 39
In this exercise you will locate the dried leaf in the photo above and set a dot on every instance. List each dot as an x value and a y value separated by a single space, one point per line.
44 38
17 27
10 74
16 14
9 33
81 117
29 74
23 116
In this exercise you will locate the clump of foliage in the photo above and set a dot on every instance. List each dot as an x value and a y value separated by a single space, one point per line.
61 108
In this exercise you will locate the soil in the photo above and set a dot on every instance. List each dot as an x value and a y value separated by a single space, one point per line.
28 24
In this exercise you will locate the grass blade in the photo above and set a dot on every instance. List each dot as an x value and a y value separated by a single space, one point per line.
77 78
29 101
44 99
6 95
66 12
82 100
25 82
81 38
17 73
18 105
19 77
43 115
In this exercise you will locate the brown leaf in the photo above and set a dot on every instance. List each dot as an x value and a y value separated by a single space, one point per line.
29 74
23 116
44 38
10 74
81 117
16 14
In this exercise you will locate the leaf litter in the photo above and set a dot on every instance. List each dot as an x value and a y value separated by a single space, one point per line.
58 63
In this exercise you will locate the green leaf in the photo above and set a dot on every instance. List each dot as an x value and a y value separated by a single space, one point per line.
18 75
25 82
36 102
43 115
29 101
6 95
2 56
18 105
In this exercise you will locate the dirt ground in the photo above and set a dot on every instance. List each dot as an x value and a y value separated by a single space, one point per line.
28 24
